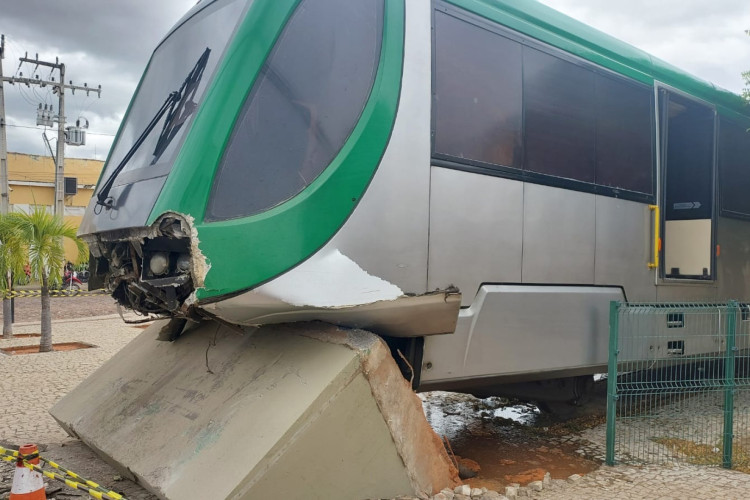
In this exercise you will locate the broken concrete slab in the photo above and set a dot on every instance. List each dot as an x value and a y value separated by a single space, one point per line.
283 411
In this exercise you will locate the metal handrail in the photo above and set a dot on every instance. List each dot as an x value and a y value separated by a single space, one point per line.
657 237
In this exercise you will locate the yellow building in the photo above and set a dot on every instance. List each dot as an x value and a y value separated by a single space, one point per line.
32 183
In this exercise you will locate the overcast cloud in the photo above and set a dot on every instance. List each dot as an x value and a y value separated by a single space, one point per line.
703 37
108 42
101 42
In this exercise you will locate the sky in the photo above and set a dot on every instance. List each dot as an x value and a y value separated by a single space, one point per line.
109 42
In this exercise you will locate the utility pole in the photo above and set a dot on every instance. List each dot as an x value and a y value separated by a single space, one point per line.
4 187
60 89
9 307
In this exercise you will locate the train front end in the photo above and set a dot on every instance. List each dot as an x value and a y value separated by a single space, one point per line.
254 132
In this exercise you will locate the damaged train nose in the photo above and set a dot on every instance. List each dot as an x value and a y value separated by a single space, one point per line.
150 270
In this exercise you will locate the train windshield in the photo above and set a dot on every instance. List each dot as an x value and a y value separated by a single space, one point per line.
303 106
181 67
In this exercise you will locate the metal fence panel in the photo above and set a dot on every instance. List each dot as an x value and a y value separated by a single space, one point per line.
678 384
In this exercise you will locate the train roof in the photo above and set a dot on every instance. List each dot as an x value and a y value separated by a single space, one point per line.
554 28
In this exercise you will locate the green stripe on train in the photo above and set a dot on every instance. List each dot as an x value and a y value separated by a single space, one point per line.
268 244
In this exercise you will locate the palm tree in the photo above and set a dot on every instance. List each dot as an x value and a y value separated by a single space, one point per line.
43 235
12 260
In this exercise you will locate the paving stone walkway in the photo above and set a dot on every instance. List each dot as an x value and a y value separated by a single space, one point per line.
652 482
33 383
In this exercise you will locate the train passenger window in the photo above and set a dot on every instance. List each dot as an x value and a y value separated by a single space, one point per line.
560 117
505 104
624 132
478 96
734 169
302 108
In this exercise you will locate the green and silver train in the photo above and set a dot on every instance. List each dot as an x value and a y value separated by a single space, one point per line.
473 180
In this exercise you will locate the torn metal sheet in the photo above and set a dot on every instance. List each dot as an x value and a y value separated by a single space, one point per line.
153 270
329 280
406 316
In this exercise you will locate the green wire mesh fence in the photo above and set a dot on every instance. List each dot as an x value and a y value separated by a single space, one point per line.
679 384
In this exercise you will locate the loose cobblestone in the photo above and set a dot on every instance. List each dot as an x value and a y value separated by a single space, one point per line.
653 481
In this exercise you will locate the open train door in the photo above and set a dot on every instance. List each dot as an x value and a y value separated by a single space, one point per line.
688 161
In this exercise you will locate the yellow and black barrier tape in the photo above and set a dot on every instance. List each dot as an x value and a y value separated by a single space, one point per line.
78 482
53 293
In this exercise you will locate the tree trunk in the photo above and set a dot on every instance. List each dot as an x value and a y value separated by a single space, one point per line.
45 343
7 323
7 315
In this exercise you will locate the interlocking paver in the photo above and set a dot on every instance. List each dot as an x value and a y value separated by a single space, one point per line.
33 383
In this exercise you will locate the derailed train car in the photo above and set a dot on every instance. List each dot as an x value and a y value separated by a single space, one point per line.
474 180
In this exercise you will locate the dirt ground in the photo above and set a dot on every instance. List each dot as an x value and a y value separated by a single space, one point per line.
510 441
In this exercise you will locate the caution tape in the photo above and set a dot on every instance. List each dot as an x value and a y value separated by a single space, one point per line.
77 482
53 293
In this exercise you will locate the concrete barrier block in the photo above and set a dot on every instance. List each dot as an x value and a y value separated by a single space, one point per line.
284 411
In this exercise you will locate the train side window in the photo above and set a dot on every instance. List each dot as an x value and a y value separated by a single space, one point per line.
478 93
624 135
734 169
560 117
303 106
505 104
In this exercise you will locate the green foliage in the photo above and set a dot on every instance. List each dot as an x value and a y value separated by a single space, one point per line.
746 77
43 235
12 252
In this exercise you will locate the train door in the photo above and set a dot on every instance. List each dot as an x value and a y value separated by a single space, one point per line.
688 131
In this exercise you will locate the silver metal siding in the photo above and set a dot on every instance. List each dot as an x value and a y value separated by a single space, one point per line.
558 235
733 263
515 329
624 244
387 233
476 228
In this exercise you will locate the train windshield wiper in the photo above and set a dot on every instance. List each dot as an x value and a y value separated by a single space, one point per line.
178 106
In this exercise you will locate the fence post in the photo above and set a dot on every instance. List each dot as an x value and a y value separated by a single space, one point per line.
729 358
614 323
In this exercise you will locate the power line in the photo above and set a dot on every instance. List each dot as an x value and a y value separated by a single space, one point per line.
75 135
37 128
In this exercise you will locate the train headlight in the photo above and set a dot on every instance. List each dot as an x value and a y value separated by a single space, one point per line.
183 263
159 263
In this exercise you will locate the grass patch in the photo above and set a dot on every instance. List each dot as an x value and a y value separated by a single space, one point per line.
706 454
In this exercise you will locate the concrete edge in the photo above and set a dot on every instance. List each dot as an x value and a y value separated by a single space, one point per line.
429 473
